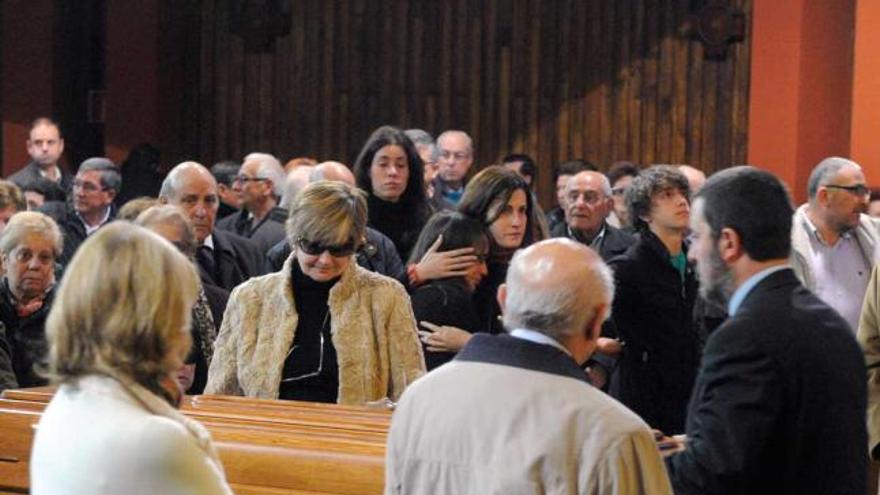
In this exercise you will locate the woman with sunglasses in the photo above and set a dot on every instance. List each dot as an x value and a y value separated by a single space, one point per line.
322 329
444 306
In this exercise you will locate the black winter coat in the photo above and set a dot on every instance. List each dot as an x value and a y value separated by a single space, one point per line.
653 315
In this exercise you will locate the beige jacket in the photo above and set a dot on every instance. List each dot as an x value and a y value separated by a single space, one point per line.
372 324
869 339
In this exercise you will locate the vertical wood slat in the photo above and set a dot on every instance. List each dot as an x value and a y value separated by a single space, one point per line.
558 80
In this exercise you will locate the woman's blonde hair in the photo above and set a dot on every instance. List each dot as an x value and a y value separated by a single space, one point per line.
123 303
30 222
329 212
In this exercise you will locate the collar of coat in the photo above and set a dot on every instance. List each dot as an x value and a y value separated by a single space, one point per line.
518 353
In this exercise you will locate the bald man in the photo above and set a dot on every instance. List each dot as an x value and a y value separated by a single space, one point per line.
695 177
834 243
378 253
588 202
455 151
224 259
515 413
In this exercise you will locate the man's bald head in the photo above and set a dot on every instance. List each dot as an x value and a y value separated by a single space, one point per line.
192 187
296 181
332 171
695 177
557 287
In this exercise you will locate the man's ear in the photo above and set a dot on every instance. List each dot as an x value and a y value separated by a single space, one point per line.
163 200
594 327
502 296
729 245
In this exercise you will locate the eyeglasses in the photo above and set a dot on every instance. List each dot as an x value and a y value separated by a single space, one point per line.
87 186
590 197
25 255
859 190
242 178
317 248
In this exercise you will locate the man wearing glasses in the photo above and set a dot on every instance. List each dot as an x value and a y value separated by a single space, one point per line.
259 185
456 155
834 243
95 186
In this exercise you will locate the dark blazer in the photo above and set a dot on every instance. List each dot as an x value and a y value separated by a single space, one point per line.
71 227
26 337
653 315
268 232
7 373
614 243
236 259
31 173
779 405
377 255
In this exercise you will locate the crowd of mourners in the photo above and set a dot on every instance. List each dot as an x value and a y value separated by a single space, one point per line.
320 281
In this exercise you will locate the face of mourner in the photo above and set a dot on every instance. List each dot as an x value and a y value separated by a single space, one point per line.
509 228
323 262
30 266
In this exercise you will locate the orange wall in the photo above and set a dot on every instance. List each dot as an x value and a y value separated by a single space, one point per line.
866 90
801 86
26 78
132 76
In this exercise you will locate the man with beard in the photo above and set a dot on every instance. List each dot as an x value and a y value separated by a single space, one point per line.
834 243
779 404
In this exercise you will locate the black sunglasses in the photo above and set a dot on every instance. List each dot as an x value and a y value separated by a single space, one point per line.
318 248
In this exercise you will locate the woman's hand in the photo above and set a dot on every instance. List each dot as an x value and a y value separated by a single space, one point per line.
453 263
443 338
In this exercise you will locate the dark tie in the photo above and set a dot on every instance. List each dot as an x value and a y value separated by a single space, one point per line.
205 259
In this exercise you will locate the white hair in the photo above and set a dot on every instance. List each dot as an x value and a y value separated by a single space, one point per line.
269 168
555 295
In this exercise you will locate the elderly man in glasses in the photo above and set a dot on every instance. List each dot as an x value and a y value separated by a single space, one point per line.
834 243
259 185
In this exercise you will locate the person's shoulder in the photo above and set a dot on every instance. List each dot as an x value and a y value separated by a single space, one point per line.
24 174
235 242
365 279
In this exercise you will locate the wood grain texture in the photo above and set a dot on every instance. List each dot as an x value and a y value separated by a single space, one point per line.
592 79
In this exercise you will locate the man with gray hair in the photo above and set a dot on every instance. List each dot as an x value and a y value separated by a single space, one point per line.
834 243
259 185
515 413
224 259
588 202
95 186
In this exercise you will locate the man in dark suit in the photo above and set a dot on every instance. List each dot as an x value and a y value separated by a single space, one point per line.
588 203
779 404
91 207
224 259
45 145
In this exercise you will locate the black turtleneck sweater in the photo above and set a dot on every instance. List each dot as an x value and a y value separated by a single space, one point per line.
401 222
307 356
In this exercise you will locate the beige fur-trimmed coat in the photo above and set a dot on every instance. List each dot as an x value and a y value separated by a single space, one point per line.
372 327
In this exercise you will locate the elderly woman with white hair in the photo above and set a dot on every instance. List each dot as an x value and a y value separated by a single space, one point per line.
29 246
322 329
115 338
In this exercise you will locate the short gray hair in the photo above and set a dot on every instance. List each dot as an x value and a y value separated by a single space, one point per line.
825 172
30 222
269 168
110 176
174 216
562 309
171 185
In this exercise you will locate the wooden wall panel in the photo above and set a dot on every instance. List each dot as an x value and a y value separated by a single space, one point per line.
599 79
